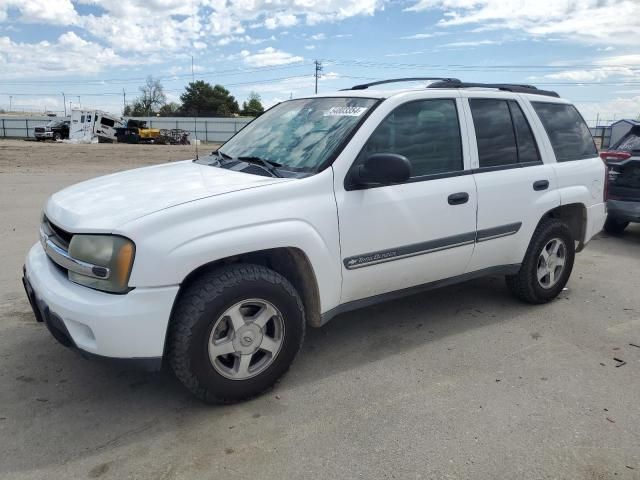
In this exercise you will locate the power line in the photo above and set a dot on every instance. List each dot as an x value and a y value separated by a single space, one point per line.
220 73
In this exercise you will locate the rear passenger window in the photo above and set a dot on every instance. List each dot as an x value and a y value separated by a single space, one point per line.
568 133
503 134
427 132
527 148
494 132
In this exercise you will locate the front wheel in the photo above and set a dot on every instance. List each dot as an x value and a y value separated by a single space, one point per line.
547 264
57 136
235 331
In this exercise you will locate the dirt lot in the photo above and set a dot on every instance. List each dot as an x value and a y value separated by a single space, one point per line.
464 382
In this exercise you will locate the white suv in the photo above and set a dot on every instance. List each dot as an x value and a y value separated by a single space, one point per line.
319 206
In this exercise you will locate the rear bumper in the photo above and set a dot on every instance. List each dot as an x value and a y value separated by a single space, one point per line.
624 211
131 326
596 216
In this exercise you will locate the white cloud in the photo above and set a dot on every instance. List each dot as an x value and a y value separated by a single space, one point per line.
471 44
606 111
310 47
243 39
69 54
318 36
269 57
172 26
625 67
601 21
421 36
285 20
405 54
56 12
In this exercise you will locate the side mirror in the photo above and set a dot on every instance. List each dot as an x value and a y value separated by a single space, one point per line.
381 169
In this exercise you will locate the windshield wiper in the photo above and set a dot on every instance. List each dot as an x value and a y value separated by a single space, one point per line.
269 165
223 155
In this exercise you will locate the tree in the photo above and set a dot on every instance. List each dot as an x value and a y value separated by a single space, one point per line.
203 99
171 109
253 106
153 96
136 109
151 100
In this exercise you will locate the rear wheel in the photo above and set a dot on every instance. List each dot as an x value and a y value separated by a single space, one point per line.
547 264
235 331
614 226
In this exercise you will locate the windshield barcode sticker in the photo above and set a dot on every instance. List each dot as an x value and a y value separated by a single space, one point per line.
345 111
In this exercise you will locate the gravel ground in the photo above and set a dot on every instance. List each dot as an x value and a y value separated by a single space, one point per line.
462 382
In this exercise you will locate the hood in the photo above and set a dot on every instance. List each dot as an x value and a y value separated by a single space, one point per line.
105 203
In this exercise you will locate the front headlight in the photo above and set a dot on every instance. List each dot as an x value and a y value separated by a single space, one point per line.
109 251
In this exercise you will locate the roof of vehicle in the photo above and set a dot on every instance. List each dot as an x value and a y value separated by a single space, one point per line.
387 93
447 84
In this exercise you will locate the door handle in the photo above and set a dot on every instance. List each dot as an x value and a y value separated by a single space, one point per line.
540 185
458 198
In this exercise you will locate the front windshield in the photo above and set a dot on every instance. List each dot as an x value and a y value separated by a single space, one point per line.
299 134
55 123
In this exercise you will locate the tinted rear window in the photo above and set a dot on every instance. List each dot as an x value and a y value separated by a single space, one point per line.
568 133
494 132
630 142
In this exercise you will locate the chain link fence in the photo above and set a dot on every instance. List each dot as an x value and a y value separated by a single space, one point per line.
210 129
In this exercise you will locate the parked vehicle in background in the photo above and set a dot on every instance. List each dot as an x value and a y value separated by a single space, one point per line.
319 206
54 130
94 123
623 162
136 131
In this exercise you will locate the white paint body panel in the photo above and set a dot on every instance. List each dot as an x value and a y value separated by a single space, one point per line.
397 215
105 203
184 215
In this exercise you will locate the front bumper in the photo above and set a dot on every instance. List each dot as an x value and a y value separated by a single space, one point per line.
624 211
43 134
131 326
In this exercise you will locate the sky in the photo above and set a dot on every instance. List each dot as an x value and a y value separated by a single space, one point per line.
98 53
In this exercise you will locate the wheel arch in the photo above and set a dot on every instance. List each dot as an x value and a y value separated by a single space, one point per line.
290 262
575 216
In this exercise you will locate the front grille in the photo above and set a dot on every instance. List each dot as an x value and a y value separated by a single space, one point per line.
60 237
40 129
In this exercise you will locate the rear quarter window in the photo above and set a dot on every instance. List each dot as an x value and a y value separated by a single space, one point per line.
569 135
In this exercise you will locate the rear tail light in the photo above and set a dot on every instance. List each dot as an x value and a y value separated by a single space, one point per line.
614 156
605 188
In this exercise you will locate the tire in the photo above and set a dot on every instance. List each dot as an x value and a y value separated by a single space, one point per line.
56 136
614 226
526 284
250 290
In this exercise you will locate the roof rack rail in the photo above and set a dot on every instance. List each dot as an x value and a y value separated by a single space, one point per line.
507 87
364 86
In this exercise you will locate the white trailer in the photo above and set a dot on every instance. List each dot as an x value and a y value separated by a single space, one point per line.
87 124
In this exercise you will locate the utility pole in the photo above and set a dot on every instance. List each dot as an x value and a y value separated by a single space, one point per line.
79 102
124 101
10 101
64 102
318 71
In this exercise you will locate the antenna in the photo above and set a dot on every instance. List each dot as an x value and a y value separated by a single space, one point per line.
195 118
